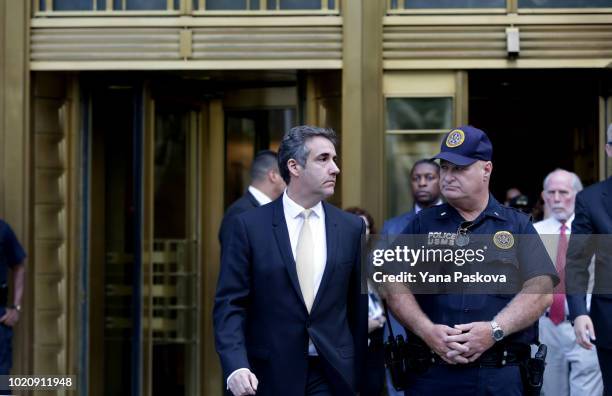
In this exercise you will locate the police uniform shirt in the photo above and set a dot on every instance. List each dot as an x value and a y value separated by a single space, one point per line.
529 255
11 252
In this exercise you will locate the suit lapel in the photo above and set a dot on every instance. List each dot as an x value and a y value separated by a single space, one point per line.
331 235
607 196
284 245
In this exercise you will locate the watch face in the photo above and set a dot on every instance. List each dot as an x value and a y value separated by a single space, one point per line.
498 334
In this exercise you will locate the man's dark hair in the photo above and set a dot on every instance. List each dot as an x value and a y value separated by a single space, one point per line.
263 162
425 161
293 146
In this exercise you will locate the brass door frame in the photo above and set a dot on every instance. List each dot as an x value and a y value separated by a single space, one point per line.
212 147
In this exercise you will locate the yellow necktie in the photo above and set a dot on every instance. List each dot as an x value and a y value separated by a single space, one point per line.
304 261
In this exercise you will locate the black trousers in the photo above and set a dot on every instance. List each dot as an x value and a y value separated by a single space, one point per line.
324 380
316 382
604 355
374 380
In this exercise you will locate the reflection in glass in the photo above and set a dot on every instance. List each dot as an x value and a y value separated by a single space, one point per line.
564 3
298 4
113 135
147 5
226 4
72 5
175 274
402 151
419 113
412 4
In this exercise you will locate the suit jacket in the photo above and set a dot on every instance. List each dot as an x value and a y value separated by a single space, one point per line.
593 220
260 319
397 224
242 204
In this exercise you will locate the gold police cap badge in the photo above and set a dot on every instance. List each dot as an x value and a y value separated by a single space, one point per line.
455 138
503 239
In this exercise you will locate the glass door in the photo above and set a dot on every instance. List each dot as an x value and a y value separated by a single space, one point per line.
111 320
171 276
143 322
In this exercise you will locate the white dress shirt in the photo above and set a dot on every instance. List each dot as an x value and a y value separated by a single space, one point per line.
417 208
295 219
259 196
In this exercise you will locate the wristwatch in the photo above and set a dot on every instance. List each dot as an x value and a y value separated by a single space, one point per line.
17 307
497 332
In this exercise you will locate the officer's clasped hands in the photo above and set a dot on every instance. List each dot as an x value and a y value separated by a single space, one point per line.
435 337
476 337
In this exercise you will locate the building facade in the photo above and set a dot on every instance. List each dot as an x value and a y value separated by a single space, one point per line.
127 126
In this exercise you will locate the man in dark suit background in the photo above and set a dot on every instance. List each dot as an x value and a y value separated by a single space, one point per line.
425 186
266 185
591 231
289 315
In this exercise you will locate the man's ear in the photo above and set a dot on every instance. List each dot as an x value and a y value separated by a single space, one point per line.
272 175
294 167
488 169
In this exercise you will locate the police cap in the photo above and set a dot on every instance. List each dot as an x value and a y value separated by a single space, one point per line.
465 145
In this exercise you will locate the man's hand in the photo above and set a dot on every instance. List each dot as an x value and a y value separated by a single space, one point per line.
10 317
375 324
435 337
242 383
476 337
585 332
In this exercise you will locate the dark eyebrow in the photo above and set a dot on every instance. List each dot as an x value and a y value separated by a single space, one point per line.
327 154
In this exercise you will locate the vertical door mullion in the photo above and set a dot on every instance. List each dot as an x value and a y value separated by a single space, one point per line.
138 199
148 160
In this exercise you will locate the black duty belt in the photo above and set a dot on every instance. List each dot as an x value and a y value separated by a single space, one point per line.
499 355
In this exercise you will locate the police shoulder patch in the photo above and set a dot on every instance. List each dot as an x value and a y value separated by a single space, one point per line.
455 138
503 239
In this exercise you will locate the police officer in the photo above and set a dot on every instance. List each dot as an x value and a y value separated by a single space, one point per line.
12 257
475 342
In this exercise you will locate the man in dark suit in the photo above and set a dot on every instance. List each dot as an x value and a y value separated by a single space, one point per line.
290 317
266 185
591 231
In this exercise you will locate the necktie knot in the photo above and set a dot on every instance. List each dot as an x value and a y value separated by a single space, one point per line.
306 213
563 227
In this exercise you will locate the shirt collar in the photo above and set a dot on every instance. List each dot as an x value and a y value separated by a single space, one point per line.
417 207
557 224
294 210
493 209
259 195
